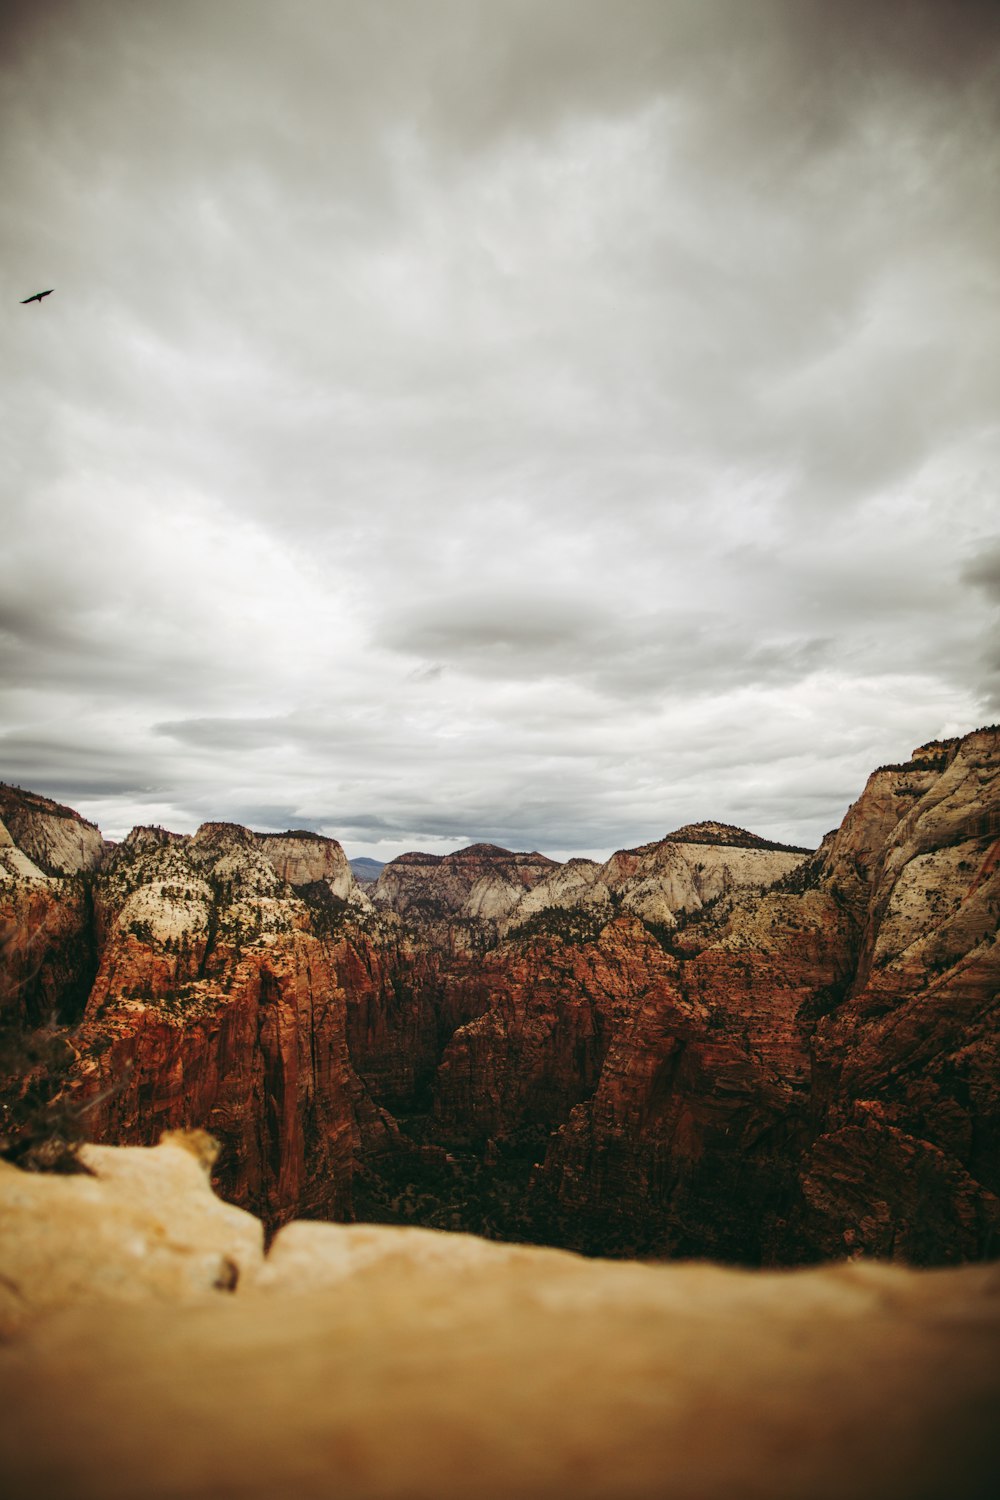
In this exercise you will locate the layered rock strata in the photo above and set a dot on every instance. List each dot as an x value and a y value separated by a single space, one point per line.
905 1076
461 901
55 839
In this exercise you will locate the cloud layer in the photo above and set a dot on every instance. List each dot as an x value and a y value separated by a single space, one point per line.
539 422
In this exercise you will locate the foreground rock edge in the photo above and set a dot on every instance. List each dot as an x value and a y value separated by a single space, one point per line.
367 1361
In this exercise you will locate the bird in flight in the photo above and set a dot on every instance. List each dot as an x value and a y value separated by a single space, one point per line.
37 296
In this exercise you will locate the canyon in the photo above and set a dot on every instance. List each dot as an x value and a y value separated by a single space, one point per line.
712 1045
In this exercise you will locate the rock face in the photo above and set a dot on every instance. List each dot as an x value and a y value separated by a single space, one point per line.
55 839
218 1002
694 867
811 1071
47 958
459 901
150 1349
762 1075
46 939
905 1069
710 1045
305 858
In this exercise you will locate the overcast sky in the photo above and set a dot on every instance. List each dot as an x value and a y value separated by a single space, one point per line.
543 421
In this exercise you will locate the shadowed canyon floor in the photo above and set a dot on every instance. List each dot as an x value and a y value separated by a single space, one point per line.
150 1348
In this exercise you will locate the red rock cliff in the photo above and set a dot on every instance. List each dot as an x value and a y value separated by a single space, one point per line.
220 1002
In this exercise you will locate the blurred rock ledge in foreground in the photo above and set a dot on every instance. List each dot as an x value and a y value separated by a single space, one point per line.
150 1348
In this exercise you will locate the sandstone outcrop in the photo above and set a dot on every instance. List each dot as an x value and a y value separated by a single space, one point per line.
46 939
47 958
304 858
152 1351
459 902
14 863
139 1224
218 1002
692 868
906 1075
54 838
689 1143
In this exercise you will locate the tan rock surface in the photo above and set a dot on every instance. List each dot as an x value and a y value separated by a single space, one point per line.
309 1256
301 858
482 882
14 863
905 1068
577 883
394 1364
693 867
55 838
145 1225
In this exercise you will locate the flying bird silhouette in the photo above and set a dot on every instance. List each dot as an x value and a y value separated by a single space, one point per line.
37 296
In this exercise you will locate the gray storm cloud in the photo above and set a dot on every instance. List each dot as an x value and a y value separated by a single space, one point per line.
543 420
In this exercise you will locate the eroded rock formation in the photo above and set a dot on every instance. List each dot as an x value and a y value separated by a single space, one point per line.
219 1001
55 839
